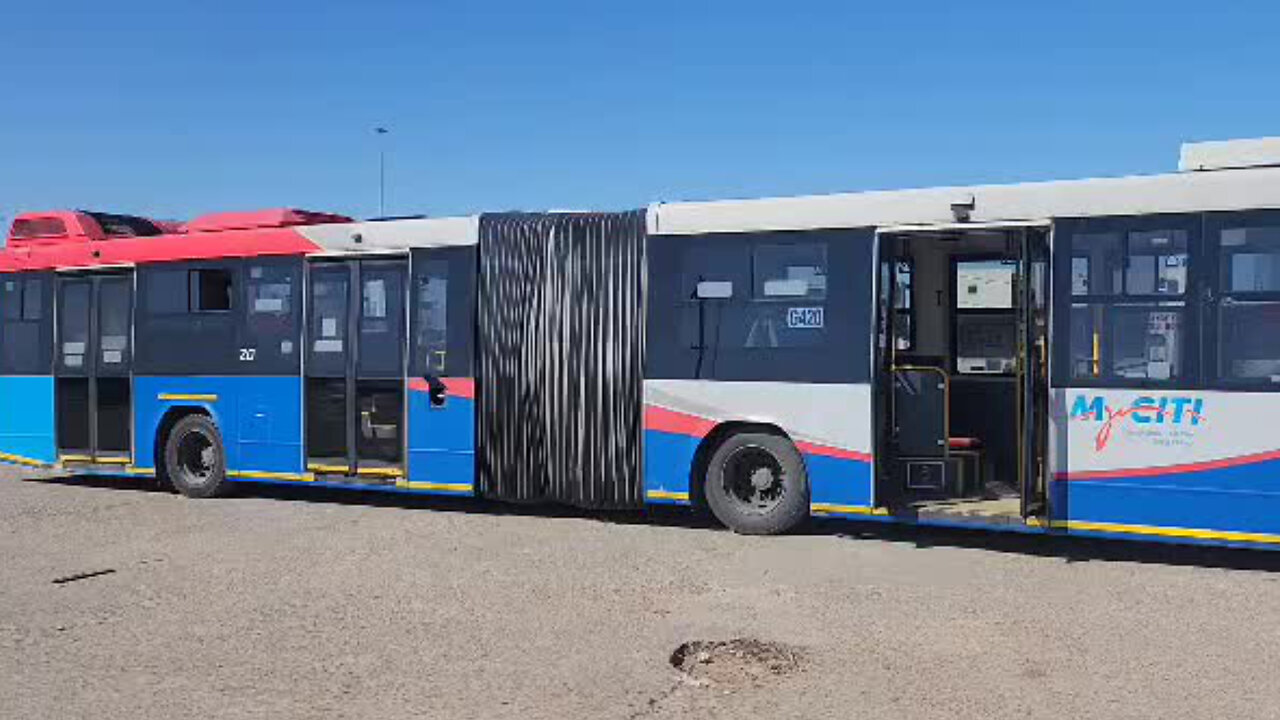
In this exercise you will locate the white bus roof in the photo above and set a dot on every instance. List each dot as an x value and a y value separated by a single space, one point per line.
1242 189
388 235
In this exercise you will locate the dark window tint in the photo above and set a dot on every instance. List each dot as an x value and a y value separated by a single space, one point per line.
1097 264
1249 340
786 272
1146 342
73 325
113 324
166 291
12 298
381 322
271 322
768 306
443 312
1244 312
752 326
210 290
715 263
1249 259
328 333
1134 341
903 308
24 299
32 299
271 291
26 328
432 303
1157 263
1127 320
184 327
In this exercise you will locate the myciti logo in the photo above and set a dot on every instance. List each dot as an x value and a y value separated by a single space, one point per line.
1149 411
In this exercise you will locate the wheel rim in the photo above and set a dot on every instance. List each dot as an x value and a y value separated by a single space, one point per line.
754 479
196 457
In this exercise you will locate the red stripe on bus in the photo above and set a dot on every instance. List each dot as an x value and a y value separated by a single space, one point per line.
661 419
453 387
1172 469
833 452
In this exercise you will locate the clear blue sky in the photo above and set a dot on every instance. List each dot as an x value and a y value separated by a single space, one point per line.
177 108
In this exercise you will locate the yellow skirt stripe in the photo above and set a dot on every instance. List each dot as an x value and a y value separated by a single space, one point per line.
440 487
667 495
187 397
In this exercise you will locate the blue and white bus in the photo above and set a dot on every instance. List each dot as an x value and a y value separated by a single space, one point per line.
1094 357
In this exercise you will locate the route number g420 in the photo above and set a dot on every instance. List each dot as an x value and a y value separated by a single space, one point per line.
804 317
248 354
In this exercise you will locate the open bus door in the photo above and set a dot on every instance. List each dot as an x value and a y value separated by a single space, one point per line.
93 367
355 375
1033 380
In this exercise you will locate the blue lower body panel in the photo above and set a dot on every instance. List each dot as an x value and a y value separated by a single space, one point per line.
260 419
1227 501
668 462
27 430
839 483
442 441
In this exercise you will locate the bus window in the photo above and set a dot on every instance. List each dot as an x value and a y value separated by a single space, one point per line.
166 291
381 320
432 303
786 306
73 325
25 328
903 309
1128 319
1097 263
791 271
271 315
1157 263
186 327
1248 311
1146 343
210 290
443 312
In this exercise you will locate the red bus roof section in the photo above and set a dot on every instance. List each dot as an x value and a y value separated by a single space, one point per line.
81 239
283 217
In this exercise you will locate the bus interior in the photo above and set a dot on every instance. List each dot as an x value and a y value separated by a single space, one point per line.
963 383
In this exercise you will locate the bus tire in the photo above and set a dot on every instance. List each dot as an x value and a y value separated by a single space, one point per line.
194 459
756 484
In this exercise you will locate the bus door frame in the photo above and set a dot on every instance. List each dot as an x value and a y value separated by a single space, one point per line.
92 370
354 464
1034 308
1033 353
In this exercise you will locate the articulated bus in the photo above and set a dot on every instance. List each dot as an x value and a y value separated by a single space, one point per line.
1096 357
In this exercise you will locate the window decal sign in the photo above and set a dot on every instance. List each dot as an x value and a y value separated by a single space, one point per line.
805 318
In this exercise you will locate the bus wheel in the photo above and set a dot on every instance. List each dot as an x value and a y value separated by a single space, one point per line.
194 459
756 484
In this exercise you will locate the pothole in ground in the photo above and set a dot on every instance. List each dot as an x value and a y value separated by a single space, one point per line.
734 663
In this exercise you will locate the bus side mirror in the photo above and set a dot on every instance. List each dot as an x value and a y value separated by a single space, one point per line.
436 391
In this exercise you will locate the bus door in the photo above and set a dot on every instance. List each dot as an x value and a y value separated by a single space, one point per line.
355 373
93 368
1033 370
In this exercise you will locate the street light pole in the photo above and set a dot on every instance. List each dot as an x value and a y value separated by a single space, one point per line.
382 171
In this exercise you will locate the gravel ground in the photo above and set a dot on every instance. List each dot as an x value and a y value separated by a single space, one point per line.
288 603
